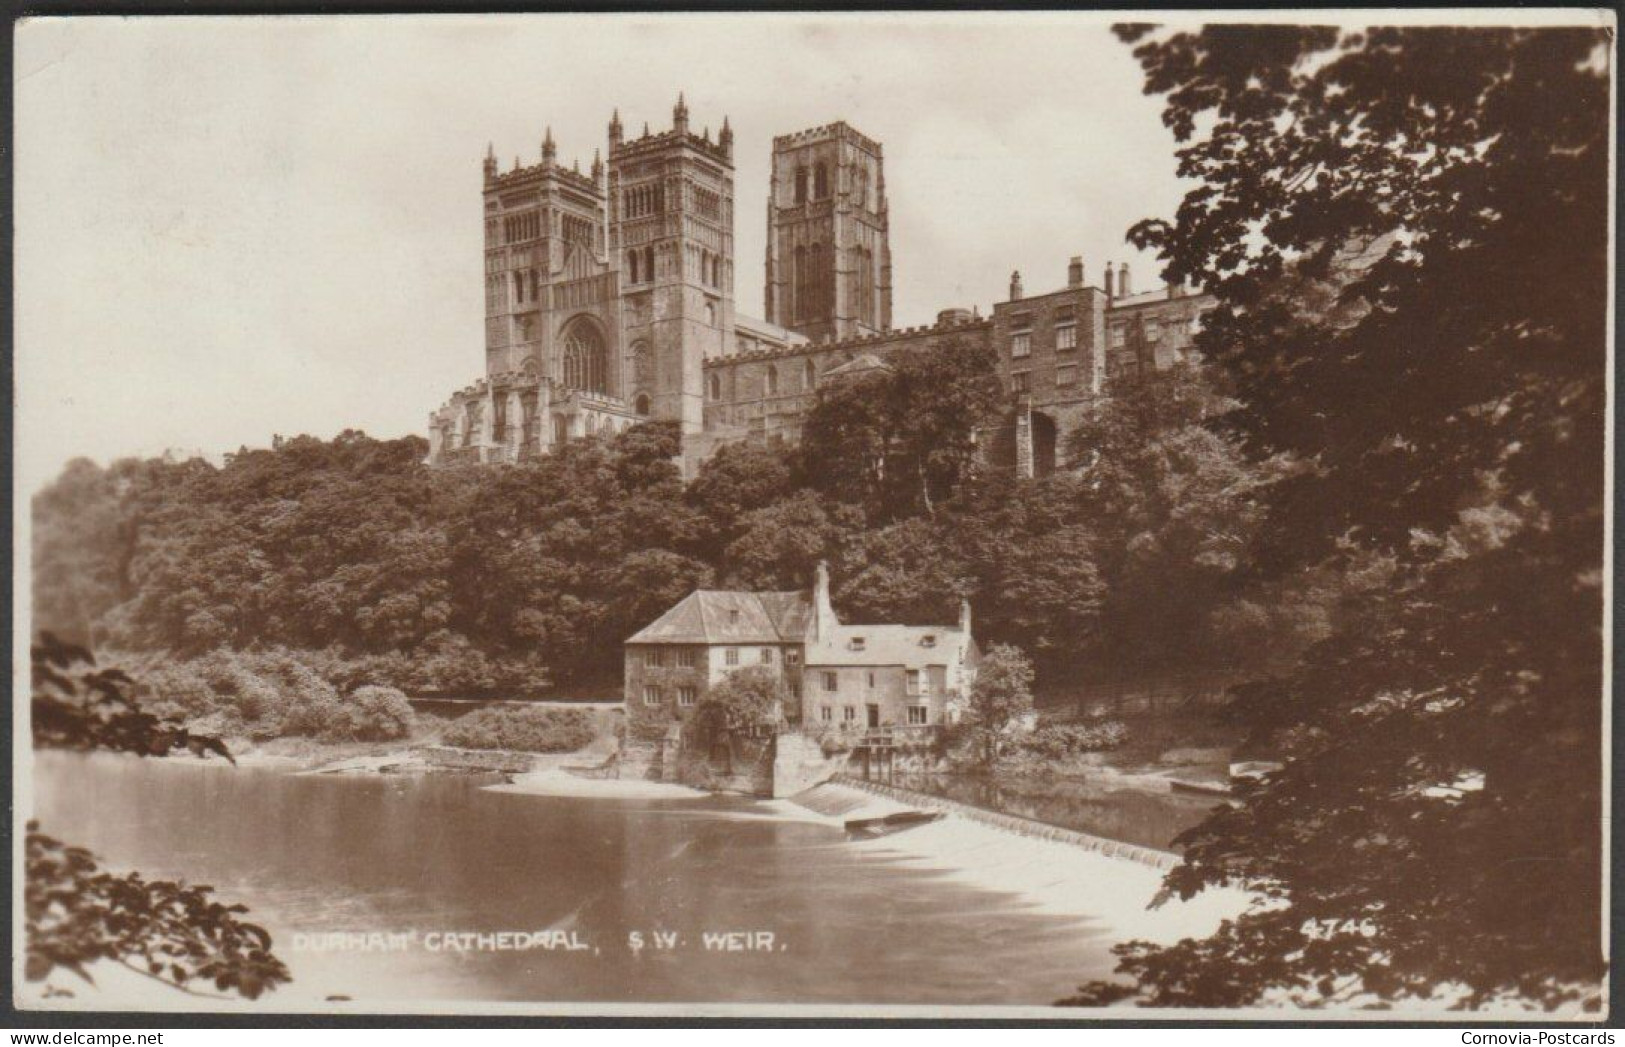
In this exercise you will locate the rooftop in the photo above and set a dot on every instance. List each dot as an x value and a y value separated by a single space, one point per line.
712 616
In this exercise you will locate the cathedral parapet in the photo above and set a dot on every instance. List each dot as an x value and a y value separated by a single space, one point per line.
838 129
860 341
654 143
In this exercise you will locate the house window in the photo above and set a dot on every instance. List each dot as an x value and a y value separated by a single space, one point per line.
912 680
794 687
1020 381
731 657
856 643
1117 336
918 714
687 695
1021 345
871 677
767 656
825 713
1067 375
792 657
829 681
1066 337
651 695
928 640
686 657
1153 330
849 713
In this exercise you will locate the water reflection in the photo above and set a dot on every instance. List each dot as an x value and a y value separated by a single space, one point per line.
312 854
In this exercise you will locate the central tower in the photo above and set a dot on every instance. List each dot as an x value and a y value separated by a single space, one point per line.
828 255
671 200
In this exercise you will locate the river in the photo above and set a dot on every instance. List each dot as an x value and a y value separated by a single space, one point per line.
433 857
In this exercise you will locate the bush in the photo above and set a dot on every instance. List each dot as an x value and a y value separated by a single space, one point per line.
1063 740
371 714
525 728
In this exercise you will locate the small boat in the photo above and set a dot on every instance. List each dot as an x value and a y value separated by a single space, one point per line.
869 828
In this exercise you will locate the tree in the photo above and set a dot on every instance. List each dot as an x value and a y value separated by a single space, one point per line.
1423 332
74 912
1000 696
901 439
746 698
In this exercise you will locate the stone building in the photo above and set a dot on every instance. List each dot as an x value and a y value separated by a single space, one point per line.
853 676
610 299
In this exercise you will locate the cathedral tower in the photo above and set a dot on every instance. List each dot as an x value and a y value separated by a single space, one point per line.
671 198
544 225
828 256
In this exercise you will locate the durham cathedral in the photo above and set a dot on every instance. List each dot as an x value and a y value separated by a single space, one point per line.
609 300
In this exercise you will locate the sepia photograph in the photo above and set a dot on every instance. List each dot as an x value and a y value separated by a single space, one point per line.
935 515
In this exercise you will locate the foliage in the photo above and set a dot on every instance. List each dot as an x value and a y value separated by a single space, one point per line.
523 728
999 698
75 705
1059 741
370 714
1425 336
74 912
898 441
750 697
77 914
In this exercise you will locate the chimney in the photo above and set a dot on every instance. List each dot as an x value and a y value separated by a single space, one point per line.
824 620
1074 272
1122 281
1015 286
964 619
1109 292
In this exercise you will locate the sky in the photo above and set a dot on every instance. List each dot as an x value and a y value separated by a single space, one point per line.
229 228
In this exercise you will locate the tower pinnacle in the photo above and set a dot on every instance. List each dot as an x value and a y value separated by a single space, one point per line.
679 115
549 150
615 127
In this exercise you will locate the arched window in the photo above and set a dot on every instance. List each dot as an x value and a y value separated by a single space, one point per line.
821 181
632 264
798 285
648 263
801 185
643 404
809 374
585 364
711 313
716 387
643 365
772 380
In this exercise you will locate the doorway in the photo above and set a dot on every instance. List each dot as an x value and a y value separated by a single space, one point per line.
874 715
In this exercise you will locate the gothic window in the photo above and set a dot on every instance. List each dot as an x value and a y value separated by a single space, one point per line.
561 428
643 404
801 185
711 313
527 407
772 380
471 423
632 264
518 288
716 387
821 181
585 364
535 285
810 374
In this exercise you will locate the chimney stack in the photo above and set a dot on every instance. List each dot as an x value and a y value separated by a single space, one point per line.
1074 272
1122 281
1015 286
1110 293
824 620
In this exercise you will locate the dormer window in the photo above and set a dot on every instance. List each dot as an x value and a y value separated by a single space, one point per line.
856 644
928 640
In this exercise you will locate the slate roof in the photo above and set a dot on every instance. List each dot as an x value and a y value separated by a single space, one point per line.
707 616
888 645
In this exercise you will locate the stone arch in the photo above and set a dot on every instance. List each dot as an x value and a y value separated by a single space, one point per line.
584 360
